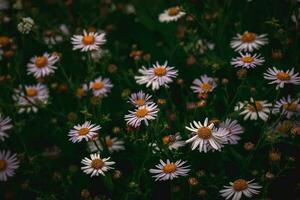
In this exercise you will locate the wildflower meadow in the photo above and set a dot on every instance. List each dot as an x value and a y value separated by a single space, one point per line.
149 99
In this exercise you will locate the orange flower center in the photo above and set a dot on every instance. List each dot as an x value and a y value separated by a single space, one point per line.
3 165
160 71
248 37
240 184
31 92
173 11
97 163
258 107
283 76
41 61
169 168
141 112
109 142
83 131
247 59
168 139
4 41
88 39
140 102
206 87
292 107
80 92
204 132
98 85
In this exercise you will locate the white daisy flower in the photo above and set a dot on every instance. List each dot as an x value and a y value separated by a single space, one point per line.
88 41
248 41
287 106
206 137
8 164
41 66
240 187
5 125
95 165
100 86
173 141
247 60
254 109
142 113
169 170
234 130
156 76
171 14
29 97
280 77
140 99
85 131
203 85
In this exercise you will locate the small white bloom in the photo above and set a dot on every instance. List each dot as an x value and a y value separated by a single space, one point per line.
234 130
5 125
169 170
280 77
173 141
41 66
254 109
287 107
247 60
95 165
100 86
203 85
240 187
171 14
248 41
8 164
140 99
26 25
206 137
88 41
142 113
156 76
29 97
85 132
113 144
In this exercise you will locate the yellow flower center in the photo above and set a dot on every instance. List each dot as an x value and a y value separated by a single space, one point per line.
283 76
41 61
97 163
83 131
98 85
204 132
88 39
206 87
247 59
31 92
3 165
169 168
141 112
258 107
173 11
109 142
248 37
240 184
292 107
168 139
140 102
160 71
4 41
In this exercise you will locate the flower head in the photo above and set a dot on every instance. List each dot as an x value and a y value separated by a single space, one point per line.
203 85
287 106
234 130
247 60
89 41
140 99
8 164
95 165
142 113
100 86
5 125
281 77
248 41
86 131
171 14
169 170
